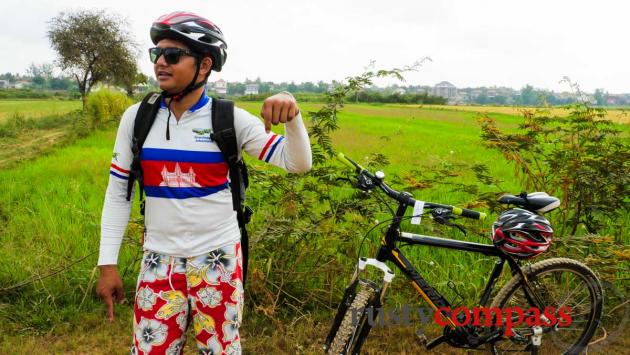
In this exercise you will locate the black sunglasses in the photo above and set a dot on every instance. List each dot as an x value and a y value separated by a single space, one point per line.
171 54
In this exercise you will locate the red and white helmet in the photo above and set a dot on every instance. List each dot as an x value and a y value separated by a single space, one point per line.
521 233
201 35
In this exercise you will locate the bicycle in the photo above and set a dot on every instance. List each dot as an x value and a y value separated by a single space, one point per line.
545 285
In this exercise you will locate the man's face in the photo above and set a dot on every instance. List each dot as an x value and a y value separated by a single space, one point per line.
174 77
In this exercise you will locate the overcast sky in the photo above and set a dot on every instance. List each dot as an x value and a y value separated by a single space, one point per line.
471 43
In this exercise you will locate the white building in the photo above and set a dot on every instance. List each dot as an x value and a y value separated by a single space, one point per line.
251 89
445 89
220 87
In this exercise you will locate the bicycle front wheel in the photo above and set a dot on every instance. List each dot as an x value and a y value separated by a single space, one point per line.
348 338
560 282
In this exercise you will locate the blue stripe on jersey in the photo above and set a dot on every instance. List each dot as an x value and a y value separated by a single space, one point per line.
182 156
118 175
201 103
182 192
273 149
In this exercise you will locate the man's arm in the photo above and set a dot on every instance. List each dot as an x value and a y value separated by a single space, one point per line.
115 215
291 151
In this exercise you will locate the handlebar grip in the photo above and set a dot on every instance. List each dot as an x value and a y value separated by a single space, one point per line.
469 213
349 162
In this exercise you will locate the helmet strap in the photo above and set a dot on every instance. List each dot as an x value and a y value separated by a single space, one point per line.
180 95
188 89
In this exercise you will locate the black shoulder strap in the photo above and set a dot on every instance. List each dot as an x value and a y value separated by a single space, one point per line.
224 134
144 120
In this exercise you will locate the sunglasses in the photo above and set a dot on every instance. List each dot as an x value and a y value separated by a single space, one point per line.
171 54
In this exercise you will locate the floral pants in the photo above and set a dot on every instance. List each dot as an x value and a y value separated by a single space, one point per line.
173 291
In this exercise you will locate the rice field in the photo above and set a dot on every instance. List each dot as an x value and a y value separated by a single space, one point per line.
50 212
36 108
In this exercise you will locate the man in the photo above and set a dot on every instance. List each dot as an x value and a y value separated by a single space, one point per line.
192 266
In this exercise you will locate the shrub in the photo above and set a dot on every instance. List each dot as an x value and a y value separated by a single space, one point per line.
583 159
105 105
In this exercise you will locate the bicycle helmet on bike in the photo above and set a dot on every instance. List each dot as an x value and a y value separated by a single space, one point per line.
521 233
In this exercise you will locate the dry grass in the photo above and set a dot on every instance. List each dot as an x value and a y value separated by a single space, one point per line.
95 335
615 115
29 145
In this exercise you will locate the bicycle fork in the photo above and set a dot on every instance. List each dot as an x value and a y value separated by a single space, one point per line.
350 294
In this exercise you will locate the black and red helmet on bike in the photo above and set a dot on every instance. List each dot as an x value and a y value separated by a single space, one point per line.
521 233
198 33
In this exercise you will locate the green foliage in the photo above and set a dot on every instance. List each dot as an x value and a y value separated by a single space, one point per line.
309 227
93 47
18 123
105 105
35 94
583 159
416 98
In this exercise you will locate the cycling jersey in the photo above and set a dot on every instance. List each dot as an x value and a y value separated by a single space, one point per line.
189 208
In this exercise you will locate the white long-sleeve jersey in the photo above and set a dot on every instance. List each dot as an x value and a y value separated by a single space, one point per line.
188 200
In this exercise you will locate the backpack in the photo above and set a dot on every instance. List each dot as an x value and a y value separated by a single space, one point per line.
223 133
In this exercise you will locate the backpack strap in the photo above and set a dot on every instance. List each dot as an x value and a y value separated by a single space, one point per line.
144 120
224 134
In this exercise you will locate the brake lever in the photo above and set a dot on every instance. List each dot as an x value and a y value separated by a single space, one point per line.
443 216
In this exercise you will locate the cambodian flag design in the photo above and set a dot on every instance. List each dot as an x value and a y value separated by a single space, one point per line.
270 147
118 172
181 174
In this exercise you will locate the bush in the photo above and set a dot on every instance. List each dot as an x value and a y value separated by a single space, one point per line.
105 105
583 159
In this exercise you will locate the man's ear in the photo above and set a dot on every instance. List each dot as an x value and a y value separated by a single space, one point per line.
205 67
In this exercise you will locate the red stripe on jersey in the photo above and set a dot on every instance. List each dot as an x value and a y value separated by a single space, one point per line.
174 174
120 169
262 154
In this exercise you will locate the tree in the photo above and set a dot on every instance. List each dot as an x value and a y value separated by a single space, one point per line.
236 88
600 97
529 97
40 74
93 47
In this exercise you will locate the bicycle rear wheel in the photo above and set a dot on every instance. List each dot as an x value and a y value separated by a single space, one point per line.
559 282
348 339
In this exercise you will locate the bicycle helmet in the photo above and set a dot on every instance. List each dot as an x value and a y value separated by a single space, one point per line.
521 233
198 33
201 36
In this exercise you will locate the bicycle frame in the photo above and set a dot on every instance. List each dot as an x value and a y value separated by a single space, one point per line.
390 252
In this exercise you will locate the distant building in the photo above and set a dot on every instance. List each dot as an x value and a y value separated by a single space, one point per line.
400 91
22 84
220 87
445 89
251 89
4 84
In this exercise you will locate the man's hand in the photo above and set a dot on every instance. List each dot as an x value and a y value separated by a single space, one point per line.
279 108
109 288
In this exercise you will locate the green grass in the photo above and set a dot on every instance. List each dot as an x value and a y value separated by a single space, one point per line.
36 108
50 211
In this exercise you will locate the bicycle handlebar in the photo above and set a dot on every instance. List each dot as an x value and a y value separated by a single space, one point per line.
405 197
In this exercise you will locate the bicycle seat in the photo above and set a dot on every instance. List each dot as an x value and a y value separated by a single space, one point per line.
539 202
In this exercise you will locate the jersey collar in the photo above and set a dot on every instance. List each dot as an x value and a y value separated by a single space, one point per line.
203 100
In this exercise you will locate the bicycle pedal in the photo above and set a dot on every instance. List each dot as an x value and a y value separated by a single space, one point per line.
423 339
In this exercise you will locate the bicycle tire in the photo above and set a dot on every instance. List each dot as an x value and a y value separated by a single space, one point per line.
344 340
536 272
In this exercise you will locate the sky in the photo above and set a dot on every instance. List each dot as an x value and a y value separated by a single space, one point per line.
470 43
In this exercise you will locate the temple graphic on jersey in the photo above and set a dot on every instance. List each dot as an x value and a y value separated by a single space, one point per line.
178 178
